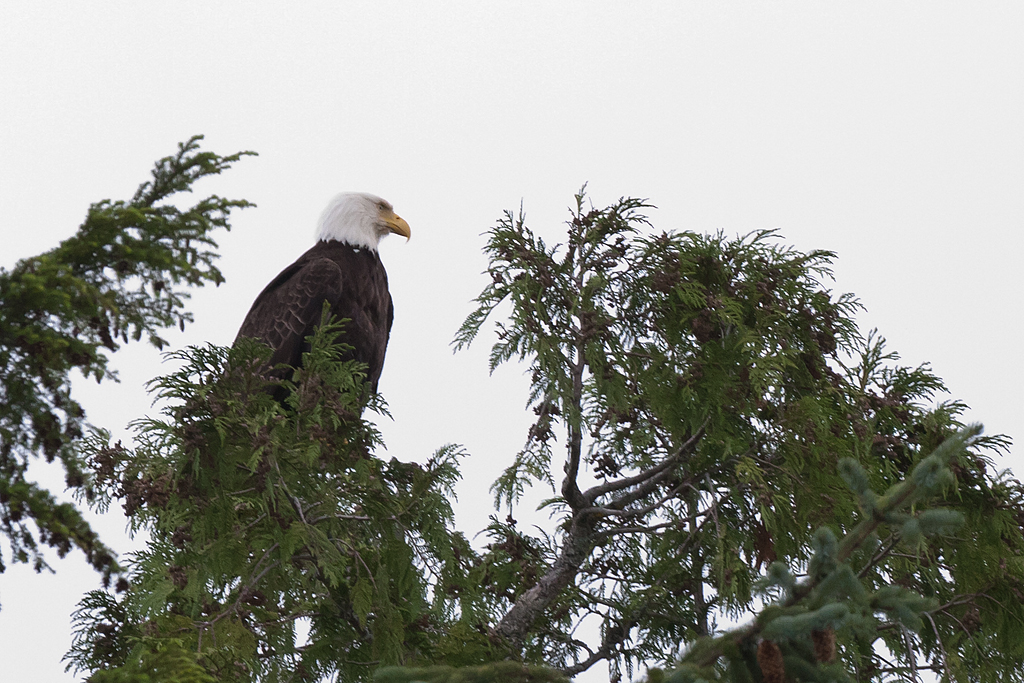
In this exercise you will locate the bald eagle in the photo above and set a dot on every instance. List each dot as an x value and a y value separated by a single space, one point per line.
344 269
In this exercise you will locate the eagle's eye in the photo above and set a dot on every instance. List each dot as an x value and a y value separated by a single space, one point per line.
383 206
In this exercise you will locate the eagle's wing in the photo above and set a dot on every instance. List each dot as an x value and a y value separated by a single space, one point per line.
375 375
289 308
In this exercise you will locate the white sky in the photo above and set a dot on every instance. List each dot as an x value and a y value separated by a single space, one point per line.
888 132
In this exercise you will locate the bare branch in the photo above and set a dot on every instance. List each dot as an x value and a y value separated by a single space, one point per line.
612 640
579 543
879 556
570 487
942 648
593 493
615 531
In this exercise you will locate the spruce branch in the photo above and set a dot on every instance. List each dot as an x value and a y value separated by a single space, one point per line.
927 479
126 273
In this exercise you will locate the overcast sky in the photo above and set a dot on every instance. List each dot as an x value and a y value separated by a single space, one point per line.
888 132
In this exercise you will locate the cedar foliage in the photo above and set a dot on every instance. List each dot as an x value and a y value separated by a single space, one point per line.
123 275
720 439
261 514
703 393
506 672
796 636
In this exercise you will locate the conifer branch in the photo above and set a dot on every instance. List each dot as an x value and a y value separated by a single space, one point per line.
595 492
125 274
927 478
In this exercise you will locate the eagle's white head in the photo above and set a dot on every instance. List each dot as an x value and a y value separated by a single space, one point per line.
359 219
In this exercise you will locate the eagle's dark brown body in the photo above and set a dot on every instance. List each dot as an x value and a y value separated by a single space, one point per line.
352 280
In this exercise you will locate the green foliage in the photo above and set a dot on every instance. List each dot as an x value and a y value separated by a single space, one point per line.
262 514
833 598
732 444
124 274
167 662
715 400
505 672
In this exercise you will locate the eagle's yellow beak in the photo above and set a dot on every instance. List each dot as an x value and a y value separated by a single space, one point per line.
397 224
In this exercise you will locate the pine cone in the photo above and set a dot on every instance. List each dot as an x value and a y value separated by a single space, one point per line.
769 658
824 645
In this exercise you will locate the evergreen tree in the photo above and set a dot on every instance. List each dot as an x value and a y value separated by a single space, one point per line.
262 514
716 392
720 441
124 274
